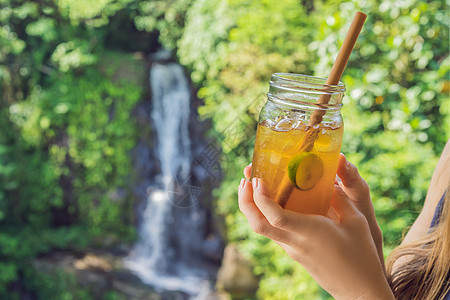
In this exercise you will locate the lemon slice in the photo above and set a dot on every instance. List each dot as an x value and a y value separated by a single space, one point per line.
305 170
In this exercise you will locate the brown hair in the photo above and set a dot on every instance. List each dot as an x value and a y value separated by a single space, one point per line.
426 275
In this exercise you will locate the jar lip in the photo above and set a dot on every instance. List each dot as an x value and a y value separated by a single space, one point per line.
306 83
304 105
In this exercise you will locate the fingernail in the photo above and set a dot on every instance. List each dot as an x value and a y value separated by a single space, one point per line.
347 163
241 185
338 180
255 183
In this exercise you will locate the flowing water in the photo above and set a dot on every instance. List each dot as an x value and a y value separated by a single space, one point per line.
171 235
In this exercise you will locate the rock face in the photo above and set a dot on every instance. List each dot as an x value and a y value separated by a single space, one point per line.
103 273
100 273
236 275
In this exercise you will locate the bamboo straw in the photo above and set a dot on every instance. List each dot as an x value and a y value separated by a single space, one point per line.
285 189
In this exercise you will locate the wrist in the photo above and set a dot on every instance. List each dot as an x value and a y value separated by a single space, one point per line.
382 291
377 295
374 288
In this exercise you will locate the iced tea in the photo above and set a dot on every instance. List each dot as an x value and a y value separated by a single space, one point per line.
276 146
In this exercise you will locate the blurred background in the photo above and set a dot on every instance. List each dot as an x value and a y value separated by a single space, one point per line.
125 126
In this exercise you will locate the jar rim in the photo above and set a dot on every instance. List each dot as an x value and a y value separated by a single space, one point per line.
303 105
305 83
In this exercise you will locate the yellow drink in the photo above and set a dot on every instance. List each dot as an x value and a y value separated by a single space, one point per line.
275 148
298 141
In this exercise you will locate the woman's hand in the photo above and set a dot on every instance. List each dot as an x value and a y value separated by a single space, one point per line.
339 254
357 190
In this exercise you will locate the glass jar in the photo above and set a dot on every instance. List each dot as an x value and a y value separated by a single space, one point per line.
298 141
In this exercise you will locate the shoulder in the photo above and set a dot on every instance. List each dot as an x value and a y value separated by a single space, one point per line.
438 185
439 182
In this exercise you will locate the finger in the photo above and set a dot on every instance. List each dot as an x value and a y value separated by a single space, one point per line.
294 253
351 182
277 216
248 171
255 218
341 204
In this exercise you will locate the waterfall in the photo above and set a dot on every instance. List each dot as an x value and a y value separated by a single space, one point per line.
166 255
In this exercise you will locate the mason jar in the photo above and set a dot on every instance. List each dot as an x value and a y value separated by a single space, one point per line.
298 141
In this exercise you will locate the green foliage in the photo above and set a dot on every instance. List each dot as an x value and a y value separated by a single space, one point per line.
66 103
395 128
56 285
19 244
165 17
204 40
396 108
89 118
65 113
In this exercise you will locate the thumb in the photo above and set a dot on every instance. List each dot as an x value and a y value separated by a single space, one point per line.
352 183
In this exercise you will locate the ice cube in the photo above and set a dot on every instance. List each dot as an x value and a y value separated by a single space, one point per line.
286 125
275 159
299 129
